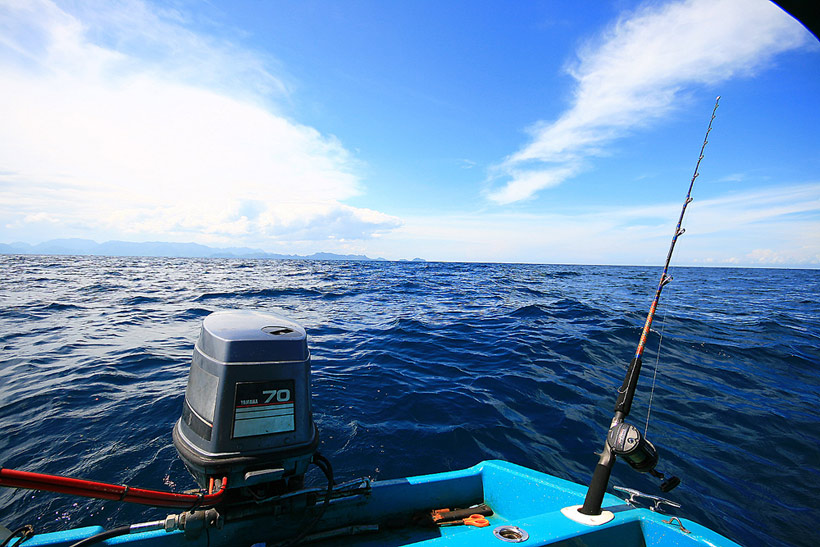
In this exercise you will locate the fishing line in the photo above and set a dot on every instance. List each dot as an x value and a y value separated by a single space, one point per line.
655 373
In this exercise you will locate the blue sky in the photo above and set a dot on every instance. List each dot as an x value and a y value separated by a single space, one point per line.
545 132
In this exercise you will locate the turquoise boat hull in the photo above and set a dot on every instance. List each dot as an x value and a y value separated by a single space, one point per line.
519 497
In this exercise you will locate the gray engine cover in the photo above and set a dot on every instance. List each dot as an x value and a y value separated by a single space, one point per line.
247 404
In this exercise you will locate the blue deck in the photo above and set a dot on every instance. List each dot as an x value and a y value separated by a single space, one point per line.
518 496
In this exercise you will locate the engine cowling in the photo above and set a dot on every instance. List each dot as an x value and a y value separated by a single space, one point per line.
247 411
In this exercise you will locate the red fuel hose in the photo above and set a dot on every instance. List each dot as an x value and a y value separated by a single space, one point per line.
101 490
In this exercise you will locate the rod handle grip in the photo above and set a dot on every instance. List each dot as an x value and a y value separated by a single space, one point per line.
597 489
627 391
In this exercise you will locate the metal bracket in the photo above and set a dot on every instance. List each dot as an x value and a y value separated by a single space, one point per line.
672 521
656 500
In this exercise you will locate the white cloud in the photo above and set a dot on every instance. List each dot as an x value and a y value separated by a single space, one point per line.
769 257
525 183
40 217
734 177
638 71
751 209
747 224
120 119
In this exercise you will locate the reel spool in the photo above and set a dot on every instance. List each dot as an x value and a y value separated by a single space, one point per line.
626 441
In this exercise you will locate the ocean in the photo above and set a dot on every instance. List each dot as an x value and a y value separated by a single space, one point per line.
427 367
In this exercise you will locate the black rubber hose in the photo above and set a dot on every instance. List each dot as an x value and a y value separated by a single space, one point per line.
102 536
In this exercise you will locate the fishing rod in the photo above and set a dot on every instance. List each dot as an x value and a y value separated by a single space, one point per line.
624 439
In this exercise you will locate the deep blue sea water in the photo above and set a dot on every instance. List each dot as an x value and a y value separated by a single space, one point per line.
426 367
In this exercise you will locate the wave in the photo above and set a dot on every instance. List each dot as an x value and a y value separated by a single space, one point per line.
257 293
422 369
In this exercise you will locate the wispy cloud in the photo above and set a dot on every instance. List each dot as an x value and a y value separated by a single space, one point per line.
637 71
120 118
768 226
734 177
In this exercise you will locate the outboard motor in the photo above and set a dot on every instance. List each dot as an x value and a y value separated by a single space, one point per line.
247 412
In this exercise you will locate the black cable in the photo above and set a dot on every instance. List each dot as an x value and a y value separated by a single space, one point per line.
324 464
102 536
321 459
24 532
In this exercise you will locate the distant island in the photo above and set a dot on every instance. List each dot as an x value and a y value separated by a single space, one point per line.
76 246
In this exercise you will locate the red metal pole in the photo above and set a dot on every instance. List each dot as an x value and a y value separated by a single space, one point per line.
101 490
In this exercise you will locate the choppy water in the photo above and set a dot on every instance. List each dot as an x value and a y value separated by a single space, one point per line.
426 367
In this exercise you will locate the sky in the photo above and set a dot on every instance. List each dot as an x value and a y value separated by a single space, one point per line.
488 131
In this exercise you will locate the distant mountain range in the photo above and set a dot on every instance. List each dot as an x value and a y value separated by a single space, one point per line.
76 246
